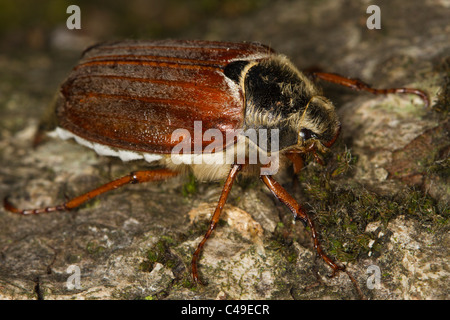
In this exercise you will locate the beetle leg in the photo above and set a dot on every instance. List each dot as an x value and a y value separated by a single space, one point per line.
358 85
297 161
132 178
299 213
297 165
318 158
215 218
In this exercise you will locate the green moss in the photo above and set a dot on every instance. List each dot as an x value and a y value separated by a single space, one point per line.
280 225
342 210
344 163
281 242
344 233
188 283
442 105
160 253
440 168
94 247
92 203
190 187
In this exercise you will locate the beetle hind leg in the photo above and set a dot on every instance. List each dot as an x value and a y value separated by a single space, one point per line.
132 178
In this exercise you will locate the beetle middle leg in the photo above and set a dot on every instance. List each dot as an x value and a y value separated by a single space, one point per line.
132 178
299 213
359 85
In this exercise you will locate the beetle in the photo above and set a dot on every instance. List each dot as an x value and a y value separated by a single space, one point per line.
127 99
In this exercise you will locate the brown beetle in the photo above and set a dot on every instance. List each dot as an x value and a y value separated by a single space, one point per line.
127 99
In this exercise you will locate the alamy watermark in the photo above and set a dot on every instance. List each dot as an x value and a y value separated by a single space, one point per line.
250 146
374 20
374 278
74 280
74 20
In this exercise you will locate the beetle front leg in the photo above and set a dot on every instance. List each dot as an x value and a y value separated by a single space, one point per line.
299 213
358 85
132 178
235 169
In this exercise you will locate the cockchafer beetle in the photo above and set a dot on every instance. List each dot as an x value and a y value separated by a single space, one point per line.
127 98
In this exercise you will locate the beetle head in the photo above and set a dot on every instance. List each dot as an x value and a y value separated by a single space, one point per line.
278 96
317 124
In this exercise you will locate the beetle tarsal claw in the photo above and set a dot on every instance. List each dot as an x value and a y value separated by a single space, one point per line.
336 270
8 206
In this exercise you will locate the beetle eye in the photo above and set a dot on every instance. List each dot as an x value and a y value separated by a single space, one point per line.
307 134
